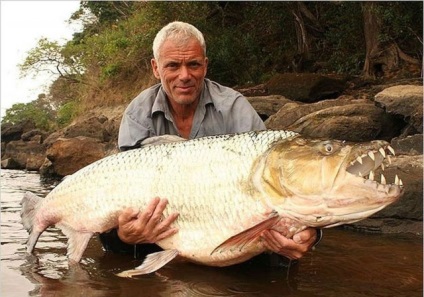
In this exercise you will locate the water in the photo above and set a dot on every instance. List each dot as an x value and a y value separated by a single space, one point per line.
346 263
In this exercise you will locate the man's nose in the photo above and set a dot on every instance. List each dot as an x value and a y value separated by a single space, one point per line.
184 73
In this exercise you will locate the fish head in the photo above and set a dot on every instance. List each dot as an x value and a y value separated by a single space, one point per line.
330 182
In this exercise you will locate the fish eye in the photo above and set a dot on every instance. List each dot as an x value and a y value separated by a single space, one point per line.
328 147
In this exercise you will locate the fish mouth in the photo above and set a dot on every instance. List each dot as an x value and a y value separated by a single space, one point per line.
366 161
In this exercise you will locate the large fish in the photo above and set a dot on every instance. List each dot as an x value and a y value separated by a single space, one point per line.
227 190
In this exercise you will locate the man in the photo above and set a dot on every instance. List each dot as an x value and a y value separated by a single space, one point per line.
187 104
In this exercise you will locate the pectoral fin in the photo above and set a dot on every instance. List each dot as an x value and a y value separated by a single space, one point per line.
239 240
152 263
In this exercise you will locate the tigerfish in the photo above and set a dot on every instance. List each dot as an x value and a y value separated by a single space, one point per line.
227 190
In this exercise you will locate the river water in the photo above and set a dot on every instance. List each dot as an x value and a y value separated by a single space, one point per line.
346 263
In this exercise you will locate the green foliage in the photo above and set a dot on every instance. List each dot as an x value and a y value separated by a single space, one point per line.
66 113
401 22
20 112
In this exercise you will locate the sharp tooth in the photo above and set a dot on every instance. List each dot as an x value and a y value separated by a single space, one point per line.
389 159
359 159
391 150
383 152
400 183
382 166
371 154
383 180
371 177
396 180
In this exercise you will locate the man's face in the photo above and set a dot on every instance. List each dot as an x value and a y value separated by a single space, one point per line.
181 68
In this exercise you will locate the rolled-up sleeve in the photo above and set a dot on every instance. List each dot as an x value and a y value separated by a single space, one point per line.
244 117
131 132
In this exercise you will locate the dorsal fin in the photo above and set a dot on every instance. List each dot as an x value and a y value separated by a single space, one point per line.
155 140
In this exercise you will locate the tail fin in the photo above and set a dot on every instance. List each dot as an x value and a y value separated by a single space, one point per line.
29 207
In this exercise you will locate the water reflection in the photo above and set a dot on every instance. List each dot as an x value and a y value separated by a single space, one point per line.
346 263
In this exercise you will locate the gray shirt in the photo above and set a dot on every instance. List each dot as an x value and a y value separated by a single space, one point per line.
221 110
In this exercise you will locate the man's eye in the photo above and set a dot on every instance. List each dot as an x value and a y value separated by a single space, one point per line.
194 65
172 65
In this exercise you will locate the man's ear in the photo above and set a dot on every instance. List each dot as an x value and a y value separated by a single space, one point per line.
206 65
155 66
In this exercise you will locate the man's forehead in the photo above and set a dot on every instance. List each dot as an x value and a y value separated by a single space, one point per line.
191 49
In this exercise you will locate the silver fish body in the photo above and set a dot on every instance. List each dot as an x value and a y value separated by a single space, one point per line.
227 189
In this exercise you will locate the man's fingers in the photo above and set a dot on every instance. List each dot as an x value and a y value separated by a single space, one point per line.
167 233
155 214
306 236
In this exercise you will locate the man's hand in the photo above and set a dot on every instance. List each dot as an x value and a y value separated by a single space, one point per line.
294 248
146 226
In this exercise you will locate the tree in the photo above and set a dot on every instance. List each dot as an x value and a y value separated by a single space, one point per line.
36 111
383 53
48 56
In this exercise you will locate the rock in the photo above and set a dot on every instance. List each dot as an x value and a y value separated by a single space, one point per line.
34 162
305 87
68 155
9 163
344 119
411 145
21 151
92 127
266 106
11 132
405 101
35 134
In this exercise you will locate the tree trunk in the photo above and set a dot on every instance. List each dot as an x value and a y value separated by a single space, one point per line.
380 59
371 32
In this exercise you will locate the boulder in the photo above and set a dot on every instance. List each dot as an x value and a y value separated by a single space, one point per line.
34 162
410 145
305 87
68 155
35 134
343 118
21 151
405 101
266 106
10 163
92 127
10 132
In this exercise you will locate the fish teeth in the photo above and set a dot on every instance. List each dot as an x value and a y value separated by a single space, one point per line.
389 159
371 155
397 180
371 176
391 150
382 152
359 159
382 166
383 180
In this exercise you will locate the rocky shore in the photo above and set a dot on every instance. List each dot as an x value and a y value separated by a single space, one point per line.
310 104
